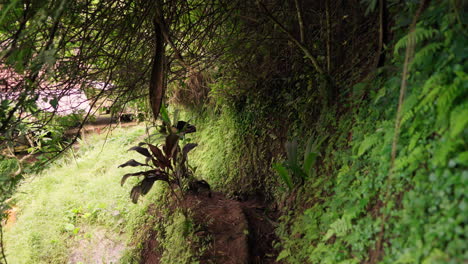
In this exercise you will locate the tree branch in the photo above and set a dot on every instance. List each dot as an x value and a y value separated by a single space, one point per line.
300 45
301 21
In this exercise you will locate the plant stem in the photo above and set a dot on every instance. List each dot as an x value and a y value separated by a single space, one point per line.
301 21
2 247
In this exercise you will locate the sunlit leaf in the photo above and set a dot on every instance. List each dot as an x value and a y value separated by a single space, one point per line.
165 115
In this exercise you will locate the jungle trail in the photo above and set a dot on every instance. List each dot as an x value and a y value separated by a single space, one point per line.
275 131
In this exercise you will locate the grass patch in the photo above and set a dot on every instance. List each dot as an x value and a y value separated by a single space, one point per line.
76 211
64 206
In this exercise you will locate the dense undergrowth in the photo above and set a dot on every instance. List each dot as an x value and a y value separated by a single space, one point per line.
359 203
359 208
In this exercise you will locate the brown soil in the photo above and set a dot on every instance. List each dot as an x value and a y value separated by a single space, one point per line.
150 253
11 217
239 232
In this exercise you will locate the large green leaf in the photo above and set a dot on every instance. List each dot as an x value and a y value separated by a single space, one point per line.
291 151
165 115
309 163
283 172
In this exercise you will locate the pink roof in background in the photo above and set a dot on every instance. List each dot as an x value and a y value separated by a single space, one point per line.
69 100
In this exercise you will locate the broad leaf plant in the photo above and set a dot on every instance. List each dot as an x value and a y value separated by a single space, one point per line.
167 162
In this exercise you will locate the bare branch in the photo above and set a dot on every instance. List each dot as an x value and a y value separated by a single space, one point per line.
300 45
301 21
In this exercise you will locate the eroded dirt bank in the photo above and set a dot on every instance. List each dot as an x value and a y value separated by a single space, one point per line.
238 232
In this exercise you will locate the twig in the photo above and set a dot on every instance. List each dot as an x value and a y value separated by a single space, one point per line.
330 90
327 18
301 21
408 58
2 248
177 53
300 45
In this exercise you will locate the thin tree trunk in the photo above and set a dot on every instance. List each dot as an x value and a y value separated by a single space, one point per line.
301 21
327 14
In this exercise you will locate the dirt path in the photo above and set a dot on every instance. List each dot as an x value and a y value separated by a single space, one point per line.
100 247
101 124
240 232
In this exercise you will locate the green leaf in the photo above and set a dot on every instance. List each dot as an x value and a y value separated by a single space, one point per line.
308 148
463 158
367 143
5 11
283 254
283 172
76 230
298 172
458 120
165 115
309 163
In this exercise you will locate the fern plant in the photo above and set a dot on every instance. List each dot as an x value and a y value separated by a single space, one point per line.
292 171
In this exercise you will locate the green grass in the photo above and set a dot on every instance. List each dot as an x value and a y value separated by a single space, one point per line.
77 212
79 194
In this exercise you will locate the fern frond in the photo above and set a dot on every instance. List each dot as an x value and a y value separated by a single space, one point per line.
434 80
432 88
367 143
423 107
445 100
420 34
426 52
339 228
458 120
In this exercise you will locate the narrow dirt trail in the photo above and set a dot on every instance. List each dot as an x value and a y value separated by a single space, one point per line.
239 232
